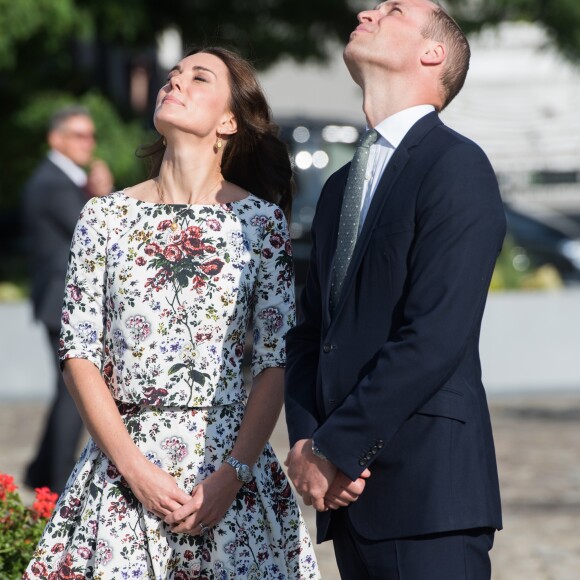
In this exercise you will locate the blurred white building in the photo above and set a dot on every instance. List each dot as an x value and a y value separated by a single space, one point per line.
520 103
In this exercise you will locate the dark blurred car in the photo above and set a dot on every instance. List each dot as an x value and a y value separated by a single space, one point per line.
318 148
544 237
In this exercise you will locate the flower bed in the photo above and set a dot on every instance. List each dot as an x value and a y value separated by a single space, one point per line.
20 526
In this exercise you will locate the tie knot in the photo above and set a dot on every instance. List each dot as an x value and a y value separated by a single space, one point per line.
368 138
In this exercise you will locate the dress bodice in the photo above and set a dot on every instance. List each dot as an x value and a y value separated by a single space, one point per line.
160 296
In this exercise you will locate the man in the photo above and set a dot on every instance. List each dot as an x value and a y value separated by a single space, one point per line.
52 201
388 419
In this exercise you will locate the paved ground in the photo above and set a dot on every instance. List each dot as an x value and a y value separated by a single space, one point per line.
538 445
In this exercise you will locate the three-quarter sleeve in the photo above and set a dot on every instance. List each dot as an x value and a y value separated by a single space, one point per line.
275 308
83 312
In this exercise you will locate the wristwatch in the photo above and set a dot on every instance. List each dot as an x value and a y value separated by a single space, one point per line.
243 472
317 452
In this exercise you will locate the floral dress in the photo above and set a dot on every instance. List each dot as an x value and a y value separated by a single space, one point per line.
159 298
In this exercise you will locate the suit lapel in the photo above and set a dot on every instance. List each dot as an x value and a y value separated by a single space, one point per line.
388 180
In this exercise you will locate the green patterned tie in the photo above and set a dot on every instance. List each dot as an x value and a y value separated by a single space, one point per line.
350 214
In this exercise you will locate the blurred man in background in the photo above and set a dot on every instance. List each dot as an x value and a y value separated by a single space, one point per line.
52 200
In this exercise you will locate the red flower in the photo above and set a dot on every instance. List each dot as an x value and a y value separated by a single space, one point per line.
193 247
193 232
153 396
160 279
212 267
164 225
6 485
267 253
173 253
39 569
152 248
278 214
112 471
140 261
197 282
65 571
239 349
57 548
188 555
65 512
45 502
108 370
277 240
288 247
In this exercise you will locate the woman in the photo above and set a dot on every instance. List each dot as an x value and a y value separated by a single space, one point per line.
178 480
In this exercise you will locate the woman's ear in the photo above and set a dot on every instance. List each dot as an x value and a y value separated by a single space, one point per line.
229 125
435 55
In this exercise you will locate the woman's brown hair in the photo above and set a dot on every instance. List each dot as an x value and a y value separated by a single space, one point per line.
254 158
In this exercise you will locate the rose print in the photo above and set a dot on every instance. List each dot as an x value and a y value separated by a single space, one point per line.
75 292
193 247
164 225
84 552
173 253
214 224
212 267
276 240
152 249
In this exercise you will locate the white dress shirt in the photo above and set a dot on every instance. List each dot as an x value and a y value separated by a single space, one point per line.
75 173
391 132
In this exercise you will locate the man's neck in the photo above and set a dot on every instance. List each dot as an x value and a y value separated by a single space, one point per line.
384 96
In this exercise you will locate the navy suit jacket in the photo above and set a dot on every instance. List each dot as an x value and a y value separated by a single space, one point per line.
51 206
392 381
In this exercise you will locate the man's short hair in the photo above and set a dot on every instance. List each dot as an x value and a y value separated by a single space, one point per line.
61 116
443 28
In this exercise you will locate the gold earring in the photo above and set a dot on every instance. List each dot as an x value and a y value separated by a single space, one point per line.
164 141
219 143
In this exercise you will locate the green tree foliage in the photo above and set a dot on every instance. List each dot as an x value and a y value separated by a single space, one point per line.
264 29
70 47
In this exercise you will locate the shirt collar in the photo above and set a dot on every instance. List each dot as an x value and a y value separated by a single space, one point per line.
394 128
75 173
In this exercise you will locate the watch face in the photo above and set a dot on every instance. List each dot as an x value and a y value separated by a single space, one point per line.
244 474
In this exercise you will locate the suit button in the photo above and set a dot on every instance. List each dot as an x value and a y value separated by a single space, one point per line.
362 462
327 348
380 444
374 450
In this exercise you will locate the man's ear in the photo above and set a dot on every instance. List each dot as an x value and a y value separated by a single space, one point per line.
54 139
435 55
229 125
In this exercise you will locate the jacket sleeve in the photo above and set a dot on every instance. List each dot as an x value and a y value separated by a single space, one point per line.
460 225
